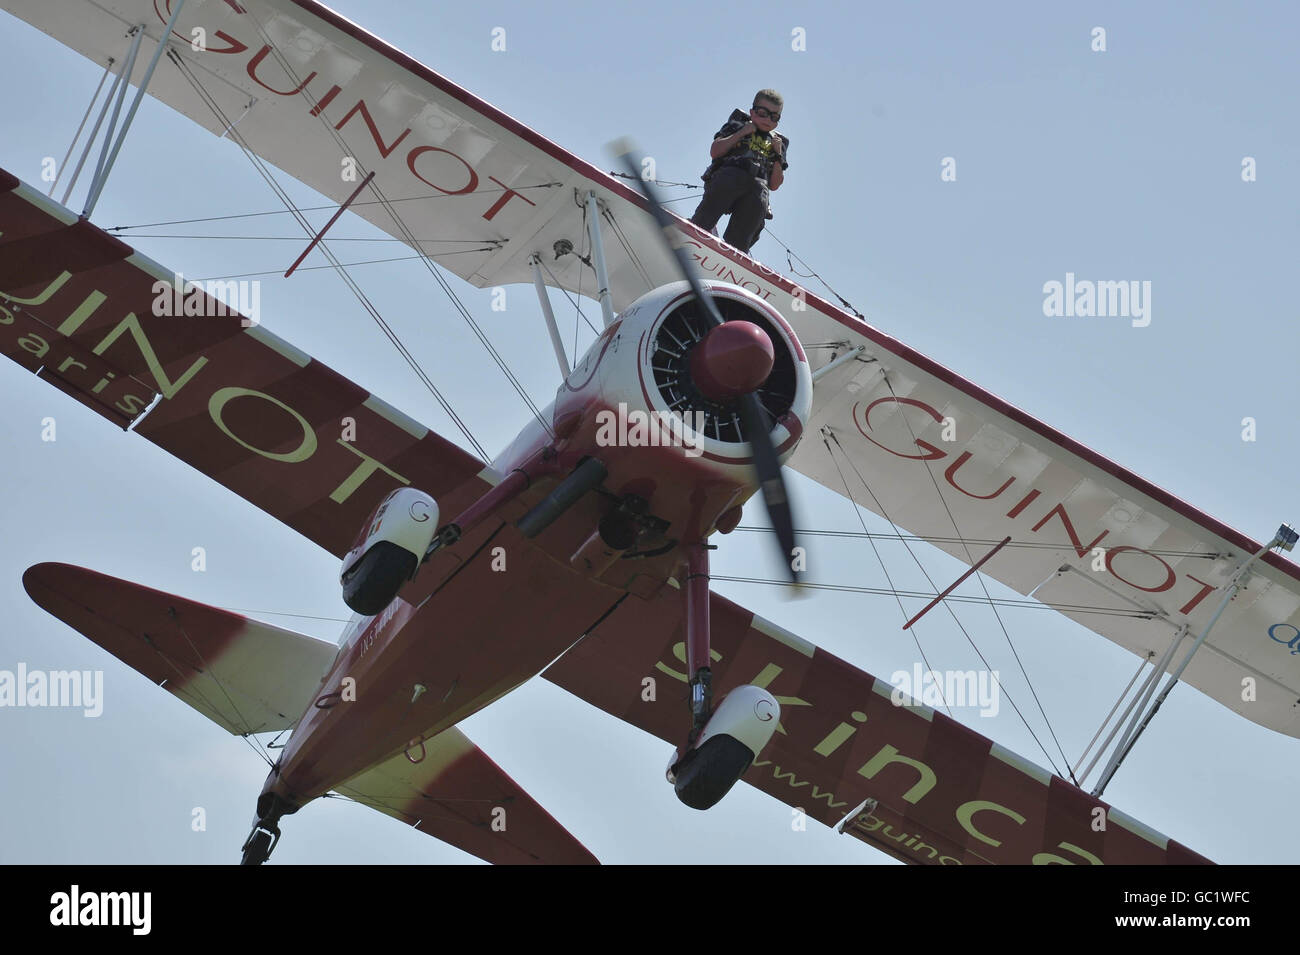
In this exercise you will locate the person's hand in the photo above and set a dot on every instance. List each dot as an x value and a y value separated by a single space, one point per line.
778 147
748 129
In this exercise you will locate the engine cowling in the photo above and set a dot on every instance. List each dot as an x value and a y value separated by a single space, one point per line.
648 364
388 550
669 368
654 399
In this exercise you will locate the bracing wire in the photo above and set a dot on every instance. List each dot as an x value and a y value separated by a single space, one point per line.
980 577
947 605
406 233
849 494
369 306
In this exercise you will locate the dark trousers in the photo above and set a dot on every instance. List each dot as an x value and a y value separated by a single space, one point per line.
732 189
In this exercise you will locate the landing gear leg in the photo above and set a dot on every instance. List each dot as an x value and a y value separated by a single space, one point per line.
722 743
697 637
697 660
266 831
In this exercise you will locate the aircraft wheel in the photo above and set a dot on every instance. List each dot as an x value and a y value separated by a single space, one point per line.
708 773
257 849
377 577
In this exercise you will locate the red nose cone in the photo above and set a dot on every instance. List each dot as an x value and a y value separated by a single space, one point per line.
733 359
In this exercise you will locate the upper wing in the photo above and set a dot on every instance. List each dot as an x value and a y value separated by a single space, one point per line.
945 795
244 675
945 460
476 190
239 404
455 793
481 193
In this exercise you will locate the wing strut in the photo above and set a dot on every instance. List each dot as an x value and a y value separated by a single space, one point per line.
545 300
58 171
1140 700
1074 770
598 259
1285 538
106 158
113 95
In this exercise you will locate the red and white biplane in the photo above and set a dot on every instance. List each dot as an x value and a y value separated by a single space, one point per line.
582 551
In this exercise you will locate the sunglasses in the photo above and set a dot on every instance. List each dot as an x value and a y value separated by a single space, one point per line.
767 113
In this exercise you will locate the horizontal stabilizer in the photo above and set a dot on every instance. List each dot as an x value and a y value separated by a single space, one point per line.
248 676
455 793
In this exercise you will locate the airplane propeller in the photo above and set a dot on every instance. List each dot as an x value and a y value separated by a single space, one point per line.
733 368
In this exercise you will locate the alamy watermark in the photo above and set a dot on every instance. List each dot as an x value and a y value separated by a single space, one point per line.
957 688
130 909
634 428
209 299
83 688
1085 298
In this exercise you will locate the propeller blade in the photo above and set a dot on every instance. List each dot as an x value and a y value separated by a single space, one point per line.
623 148
753 418
771 480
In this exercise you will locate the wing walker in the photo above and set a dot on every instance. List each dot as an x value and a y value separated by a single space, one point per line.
710 375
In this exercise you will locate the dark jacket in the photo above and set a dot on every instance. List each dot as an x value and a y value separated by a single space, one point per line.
754 153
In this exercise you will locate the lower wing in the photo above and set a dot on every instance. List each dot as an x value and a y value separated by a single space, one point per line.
908 780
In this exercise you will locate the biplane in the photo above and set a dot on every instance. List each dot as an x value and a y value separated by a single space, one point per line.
582 552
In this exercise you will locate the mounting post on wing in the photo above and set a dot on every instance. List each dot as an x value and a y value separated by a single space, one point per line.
1285 538
863 808
101 174
545 300
834 363
598 259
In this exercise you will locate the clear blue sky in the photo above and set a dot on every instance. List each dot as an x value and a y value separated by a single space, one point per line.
1116 165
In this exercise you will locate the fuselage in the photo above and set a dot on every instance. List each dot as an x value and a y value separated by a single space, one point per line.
479 622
